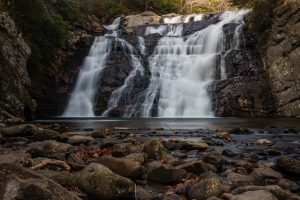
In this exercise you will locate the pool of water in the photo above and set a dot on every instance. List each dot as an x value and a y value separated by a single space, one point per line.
175 123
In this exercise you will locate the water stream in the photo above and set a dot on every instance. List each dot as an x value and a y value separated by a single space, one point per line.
181 68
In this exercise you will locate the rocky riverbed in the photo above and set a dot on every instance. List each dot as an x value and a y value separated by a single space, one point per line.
58 161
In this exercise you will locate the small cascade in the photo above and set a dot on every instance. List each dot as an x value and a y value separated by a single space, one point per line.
81 102
168 79
183 19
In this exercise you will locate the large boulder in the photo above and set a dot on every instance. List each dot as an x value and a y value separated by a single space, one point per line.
124 167
99 182
81 139
166 175
19 130
155 150
209 186
290 164
47 148
144 18
20 183
255 195
194 145
196 167
18 158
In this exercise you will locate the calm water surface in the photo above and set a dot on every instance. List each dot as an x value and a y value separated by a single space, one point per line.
176 123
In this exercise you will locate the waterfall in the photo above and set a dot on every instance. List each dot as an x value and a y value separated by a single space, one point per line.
183 67
178 71
81 102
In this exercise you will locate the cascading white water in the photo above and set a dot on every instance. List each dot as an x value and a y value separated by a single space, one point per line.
81 102
135 62
183 19
183 67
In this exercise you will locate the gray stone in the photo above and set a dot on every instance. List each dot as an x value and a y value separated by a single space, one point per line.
209 186
123 166
166 175
99 182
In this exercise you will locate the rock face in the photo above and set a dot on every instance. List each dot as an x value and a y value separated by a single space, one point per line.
14 81
282 58
245 92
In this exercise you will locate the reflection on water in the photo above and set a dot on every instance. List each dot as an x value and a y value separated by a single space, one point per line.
176 123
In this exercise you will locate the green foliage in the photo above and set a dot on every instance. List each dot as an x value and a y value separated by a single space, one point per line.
166 6
44 31
103 9
70 10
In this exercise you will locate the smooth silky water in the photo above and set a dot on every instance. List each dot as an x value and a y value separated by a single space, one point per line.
182 67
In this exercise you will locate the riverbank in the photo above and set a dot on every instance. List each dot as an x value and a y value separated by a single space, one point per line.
64 160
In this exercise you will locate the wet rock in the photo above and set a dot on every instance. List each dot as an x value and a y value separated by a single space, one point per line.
247 165
260 174
228 152
19 158
170 145
273 152
123 149
155 150
213 158
179 154
172 197
138 157
124 167
195 167
289 185
19 130
99 134
47 148
194 145
251 157
264 142
237 180
64 178
274 189
45 134
75 158
166 175
255 195
289 164
223 136
209 186
143 194
20 183
80 139
99 182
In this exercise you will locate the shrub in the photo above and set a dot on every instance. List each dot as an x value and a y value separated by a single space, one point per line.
70 10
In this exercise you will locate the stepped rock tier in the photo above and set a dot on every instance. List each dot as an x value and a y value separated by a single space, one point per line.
172 66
